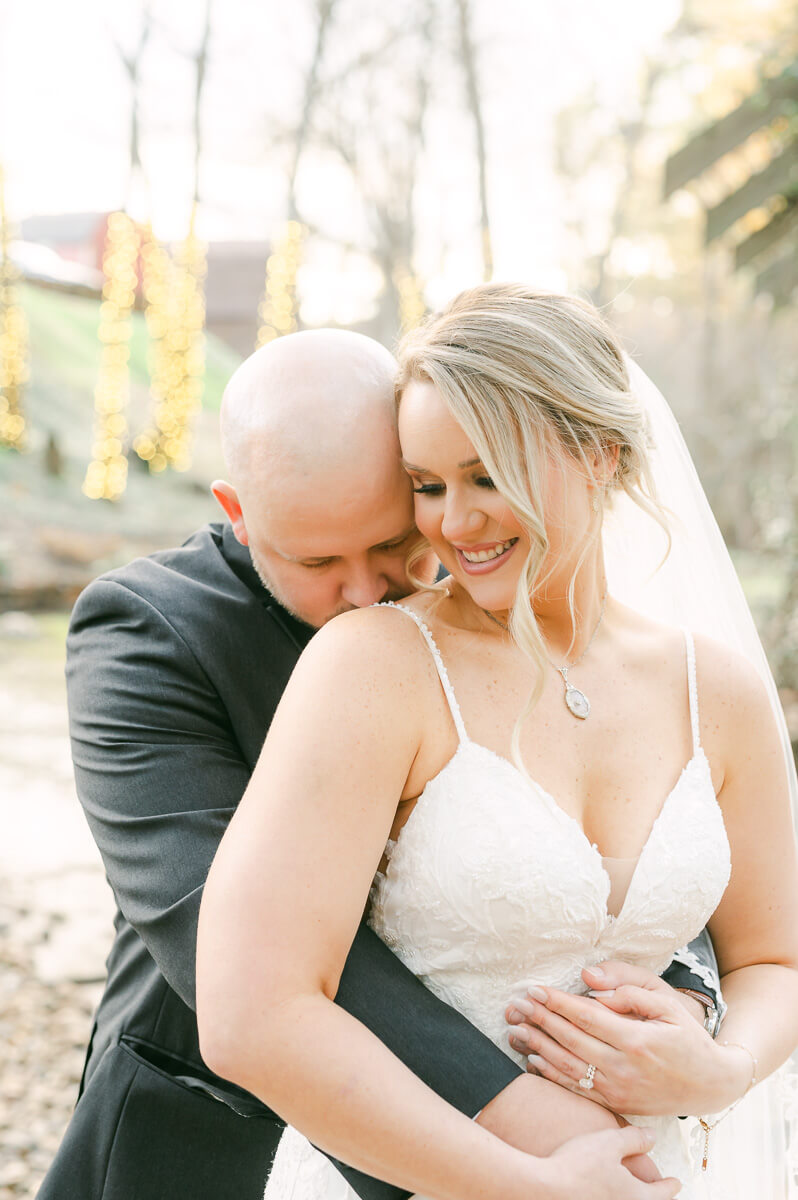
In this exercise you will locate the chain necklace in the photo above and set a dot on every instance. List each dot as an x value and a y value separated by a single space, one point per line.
575 699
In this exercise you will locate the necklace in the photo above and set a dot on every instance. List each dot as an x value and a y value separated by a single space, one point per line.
575 699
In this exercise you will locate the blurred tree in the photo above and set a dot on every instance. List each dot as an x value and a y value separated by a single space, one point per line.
323 17
373 123
132 62
474 95
375 80
279 309
596 153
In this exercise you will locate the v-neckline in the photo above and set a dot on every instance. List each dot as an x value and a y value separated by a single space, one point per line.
559 813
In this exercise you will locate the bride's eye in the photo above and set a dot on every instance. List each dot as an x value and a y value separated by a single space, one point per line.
429 489
485 481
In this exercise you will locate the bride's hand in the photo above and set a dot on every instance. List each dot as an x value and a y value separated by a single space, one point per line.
659 1062
594 1165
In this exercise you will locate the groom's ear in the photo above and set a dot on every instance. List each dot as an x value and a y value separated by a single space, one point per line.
227 497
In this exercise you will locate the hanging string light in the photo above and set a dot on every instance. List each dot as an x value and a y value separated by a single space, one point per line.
411 300
176 423
159 296
13 341
278 309
174 292
106 476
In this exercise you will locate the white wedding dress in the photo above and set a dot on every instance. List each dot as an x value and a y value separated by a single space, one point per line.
491 887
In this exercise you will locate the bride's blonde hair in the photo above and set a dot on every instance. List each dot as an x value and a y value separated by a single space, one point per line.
533 377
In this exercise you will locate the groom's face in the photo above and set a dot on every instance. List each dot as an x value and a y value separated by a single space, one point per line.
326 545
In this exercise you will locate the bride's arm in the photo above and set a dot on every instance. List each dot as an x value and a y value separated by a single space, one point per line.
755 927
281 907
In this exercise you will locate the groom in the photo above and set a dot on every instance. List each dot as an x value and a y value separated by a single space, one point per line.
176 664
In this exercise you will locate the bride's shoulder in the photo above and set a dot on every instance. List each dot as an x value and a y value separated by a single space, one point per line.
381 639
729 684
733 701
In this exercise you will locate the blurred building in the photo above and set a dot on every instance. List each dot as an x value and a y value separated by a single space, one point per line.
77 237
233 291
66 250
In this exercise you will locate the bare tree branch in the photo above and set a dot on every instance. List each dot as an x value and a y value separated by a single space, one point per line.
200 59
132 64
469 64
324 9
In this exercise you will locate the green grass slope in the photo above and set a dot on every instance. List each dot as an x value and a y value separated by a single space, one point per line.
49 528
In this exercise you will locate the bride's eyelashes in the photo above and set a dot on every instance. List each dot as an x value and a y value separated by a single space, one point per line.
437 489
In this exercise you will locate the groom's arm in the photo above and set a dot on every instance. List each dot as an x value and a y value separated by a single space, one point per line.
694 971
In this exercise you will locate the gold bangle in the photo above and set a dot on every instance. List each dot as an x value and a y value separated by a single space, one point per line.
705 1125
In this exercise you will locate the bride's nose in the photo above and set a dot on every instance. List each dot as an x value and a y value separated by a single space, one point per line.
460 520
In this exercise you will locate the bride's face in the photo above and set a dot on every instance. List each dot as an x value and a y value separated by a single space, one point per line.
469 525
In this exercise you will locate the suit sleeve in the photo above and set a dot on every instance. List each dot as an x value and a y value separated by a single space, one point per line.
157 768
159 775
695 967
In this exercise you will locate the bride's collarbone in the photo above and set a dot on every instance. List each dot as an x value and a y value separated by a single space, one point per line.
611 773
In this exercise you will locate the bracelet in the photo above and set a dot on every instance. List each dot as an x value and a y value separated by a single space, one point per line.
705 1125
712 1014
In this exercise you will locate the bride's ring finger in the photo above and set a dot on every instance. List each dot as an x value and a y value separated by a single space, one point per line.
541 1067
566 1046
549 1059
547 1071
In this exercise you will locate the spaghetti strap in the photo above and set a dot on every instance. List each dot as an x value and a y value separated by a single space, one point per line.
448 691
692 689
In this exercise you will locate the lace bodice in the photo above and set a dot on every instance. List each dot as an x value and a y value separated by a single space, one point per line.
491 886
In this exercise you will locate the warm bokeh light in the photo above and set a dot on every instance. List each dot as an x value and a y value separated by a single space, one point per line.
278 308
106 475
13 340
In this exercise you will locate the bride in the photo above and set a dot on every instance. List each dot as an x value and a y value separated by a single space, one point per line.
529 775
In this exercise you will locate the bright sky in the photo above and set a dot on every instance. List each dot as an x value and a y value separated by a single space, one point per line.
64 120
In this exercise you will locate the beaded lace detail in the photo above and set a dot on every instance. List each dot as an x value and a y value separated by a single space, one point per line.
491 886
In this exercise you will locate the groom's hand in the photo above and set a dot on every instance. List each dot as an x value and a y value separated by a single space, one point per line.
651 1056
538 1117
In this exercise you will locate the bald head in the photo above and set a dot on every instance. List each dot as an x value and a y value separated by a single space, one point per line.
308 405
317 490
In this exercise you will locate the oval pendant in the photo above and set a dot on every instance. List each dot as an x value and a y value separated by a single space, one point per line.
577 702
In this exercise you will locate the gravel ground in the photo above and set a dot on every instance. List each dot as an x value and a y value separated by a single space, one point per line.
55 907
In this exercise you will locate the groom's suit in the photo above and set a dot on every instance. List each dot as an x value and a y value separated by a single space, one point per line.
175 666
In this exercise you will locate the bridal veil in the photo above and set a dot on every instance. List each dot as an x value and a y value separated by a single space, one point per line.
696 586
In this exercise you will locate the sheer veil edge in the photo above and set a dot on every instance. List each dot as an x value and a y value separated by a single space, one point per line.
697 587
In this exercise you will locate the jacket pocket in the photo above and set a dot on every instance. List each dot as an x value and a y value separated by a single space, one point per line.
194 1077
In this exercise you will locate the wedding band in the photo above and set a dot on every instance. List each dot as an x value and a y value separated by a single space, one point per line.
587 1081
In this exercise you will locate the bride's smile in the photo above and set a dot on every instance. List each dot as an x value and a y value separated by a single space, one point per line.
479 539
479 560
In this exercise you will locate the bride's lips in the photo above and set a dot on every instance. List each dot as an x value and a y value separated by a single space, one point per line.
484 568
